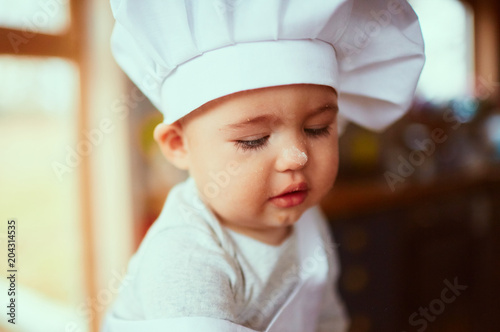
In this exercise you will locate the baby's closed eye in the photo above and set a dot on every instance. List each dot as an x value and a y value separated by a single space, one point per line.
261 142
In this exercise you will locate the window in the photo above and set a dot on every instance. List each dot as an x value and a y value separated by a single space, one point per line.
40 115
34 16
447 27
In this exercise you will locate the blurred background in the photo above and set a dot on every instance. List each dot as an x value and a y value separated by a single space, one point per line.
415 211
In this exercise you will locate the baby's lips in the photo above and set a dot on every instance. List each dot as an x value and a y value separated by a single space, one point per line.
290 199
300 186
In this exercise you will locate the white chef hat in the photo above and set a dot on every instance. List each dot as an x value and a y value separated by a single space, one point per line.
185 53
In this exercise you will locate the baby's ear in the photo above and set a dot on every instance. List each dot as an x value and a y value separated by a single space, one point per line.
170 138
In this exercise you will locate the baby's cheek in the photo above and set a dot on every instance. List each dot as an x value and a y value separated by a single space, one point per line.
253 168
329 171
246 187
325 171
237 204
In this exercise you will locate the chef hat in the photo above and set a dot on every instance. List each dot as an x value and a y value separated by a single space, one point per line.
185 53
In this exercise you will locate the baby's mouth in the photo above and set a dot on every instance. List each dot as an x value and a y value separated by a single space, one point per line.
293 195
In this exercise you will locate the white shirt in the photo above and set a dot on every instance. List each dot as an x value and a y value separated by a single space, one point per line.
188 265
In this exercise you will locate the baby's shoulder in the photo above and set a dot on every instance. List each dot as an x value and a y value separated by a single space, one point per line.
184 223
177 275
184 210
185 231
181 234
183 268
183 260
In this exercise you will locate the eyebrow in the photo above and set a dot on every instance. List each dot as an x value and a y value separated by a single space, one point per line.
327 107
268 118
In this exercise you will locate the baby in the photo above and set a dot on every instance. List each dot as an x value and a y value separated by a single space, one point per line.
280 149
252 93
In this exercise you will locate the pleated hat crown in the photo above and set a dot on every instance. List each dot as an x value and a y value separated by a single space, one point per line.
185 53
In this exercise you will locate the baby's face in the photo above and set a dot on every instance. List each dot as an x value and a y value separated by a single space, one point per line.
247 150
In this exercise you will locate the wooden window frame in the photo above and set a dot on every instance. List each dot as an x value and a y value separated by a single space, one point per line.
69 45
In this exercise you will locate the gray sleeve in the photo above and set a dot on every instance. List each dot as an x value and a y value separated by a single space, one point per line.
185 272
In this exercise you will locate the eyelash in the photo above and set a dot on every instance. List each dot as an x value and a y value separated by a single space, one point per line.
262 142
253 144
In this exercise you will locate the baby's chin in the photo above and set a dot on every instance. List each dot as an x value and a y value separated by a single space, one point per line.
287 217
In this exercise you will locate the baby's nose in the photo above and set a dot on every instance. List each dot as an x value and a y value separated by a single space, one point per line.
291 158
294 155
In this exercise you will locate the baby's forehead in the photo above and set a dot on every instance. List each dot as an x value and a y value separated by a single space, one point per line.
267 106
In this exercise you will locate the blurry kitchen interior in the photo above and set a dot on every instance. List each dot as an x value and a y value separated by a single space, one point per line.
415 212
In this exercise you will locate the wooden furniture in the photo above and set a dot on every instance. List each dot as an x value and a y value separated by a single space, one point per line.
399 252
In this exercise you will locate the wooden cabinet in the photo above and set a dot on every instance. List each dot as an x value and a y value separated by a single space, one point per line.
425 259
